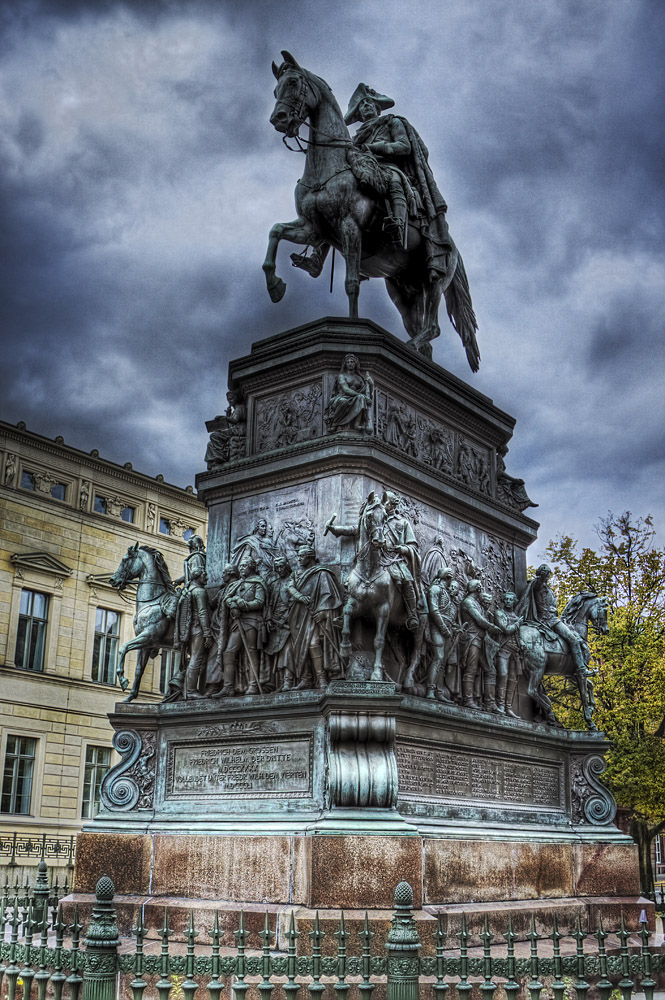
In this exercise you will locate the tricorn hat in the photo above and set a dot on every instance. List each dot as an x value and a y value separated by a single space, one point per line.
362 92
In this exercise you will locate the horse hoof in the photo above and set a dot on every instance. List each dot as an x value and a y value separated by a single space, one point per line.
377 674
130 697
277 289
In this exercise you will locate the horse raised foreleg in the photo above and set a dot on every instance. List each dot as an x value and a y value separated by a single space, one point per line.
298 231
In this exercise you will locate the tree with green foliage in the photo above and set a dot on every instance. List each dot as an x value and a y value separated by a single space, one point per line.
629 570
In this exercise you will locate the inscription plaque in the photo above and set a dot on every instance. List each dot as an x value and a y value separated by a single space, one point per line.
239 769
428 772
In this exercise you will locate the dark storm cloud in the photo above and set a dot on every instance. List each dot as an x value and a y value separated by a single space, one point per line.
140 177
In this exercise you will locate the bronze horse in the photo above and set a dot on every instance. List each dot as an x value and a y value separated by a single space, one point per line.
334 210
546 655
156 599
371 592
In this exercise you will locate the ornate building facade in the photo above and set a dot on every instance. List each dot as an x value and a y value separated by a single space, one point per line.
66 520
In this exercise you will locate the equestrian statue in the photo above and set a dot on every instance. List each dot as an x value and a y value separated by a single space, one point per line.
374 199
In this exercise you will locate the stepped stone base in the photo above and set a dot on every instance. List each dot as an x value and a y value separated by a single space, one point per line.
305 873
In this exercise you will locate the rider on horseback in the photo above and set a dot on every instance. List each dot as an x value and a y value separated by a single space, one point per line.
538 604
405 567
390 158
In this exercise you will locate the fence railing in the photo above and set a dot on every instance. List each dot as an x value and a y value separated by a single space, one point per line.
34 958
21 847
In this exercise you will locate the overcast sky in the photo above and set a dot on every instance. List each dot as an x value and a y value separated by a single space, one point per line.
140 177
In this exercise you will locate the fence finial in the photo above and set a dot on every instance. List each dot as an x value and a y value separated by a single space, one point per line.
402 945
101 944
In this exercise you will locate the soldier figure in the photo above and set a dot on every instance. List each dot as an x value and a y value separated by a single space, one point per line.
452 662
477 626
281 595
192 629
220 630
538 603
442 613
245 600
508 660
317 599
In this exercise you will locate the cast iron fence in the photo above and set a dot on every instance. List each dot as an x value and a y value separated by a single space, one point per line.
19 848
35 963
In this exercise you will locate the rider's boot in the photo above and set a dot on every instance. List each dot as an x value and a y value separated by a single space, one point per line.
489 703
191 685
319 671
578 656
501 694
313 263
510 694
409 595
288 681
468 700
432 675
228 690
255 666
394 224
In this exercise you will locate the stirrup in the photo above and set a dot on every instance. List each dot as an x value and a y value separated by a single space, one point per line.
313 264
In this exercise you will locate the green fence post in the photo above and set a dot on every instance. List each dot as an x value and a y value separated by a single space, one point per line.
402 945
101 946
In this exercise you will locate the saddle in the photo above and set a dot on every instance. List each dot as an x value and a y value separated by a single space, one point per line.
376 177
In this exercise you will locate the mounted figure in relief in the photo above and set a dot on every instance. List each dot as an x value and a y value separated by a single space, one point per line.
554 644
156 605
373 198
383 585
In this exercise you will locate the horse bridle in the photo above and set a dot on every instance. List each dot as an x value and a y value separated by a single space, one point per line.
298 114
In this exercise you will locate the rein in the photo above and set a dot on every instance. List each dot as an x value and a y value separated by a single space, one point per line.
298 113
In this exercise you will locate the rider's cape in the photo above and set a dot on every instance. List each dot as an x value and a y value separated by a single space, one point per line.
416 166
526 607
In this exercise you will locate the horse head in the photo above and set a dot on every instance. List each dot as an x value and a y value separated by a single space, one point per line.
131 566
374 519
295 94
585 607
597 615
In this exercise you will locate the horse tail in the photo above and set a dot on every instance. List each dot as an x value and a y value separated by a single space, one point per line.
461 314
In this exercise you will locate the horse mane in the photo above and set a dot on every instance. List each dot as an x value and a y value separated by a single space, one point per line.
574 605
160 565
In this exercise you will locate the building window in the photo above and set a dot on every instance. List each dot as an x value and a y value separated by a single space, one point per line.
105 649
169 666
99 505
27 480
164 526
31 636
658 851
187 533
127 514
17 775
97 763
59 491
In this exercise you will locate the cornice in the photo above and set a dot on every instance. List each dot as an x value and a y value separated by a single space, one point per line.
320 457
102 464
